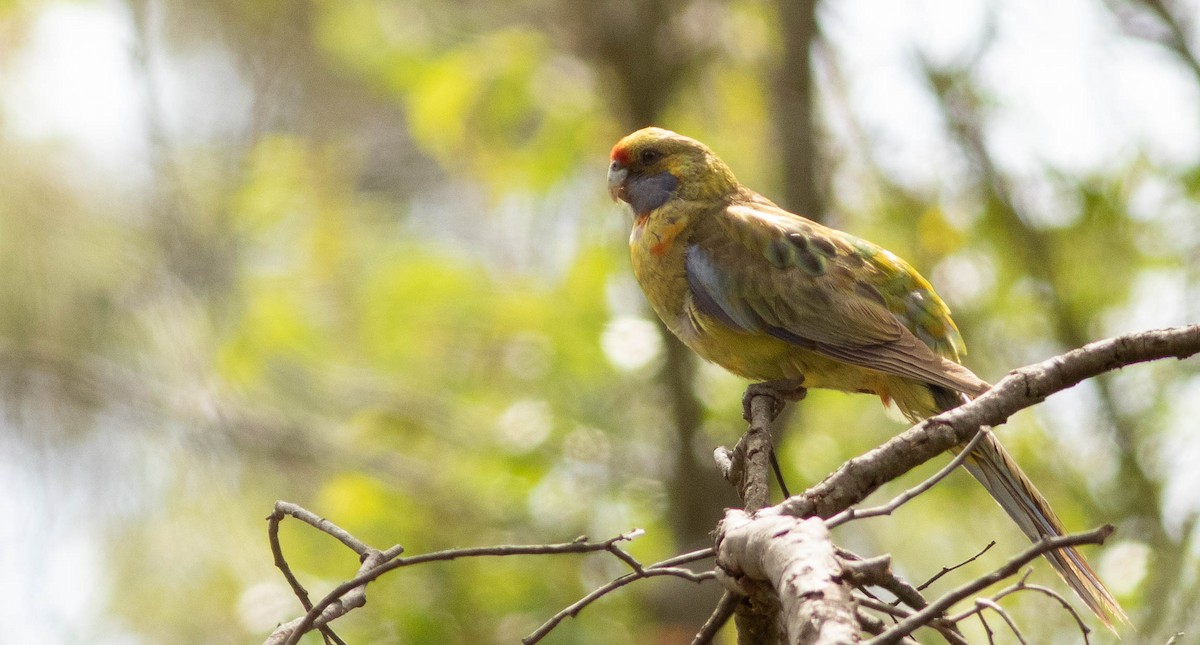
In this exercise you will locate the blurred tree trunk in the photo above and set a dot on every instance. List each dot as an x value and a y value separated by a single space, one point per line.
797 132
649 60
794 110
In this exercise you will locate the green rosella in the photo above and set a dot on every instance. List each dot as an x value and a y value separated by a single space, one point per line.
777 298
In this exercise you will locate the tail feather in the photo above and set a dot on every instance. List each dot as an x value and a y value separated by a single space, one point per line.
991 464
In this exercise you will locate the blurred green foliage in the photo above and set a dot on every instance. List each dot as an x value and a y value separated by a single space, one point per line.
391 289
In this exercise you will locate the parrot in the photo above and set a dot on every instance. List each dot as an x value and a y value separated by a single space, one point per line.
791 304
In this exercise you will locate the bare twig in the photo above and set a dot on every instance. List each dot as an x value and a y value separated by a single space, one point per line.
991 604
987 629
870 623
720 615
687 558
944 627
903 498
937 607
291 632
1023 585
374 563
321 524
987 547
724 459
365 554
664 568
881 606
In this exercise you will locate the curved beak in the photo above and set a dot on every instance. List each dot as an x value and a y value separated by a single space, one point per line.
617 174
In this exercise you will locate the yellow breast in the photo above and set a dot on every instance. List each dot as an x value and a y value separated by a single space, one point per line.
657 249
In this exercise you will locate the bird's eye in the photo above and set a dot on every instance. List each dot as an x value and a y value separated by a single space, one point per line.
650 155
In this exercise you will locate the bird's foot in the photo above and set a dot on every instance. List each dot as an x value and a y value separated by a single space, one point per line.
780 392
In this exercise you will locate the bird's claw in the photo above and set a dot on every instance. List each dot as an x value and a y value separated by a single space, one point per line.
780 392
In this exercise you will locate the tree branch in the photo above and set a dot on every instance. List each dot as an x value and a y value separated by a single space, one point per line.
877 572
903 498
1010 568
783 564
748 469
664 568
796 559
1022 388
1023 585
352 594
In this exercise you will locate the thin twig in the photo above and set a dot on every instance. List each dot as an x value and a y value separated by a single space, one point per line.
944 627
991 604
666 567
870 623
871 602
1083 628
939 606
290 633
647 572
578 546
945 570
987 629
376 563
283 509
720 615
670 566
1022 585
323 525
624 556
903 498
783 489
687 558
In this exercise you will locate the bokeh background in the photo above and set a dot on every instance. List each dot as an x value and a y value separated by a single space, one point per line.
358 254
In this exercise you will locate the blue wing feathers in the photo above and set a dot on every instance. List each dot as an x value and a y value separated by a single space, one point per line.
705 284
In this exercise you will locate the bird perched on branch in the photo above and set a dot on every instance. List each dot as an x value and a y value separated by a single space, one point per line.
791 304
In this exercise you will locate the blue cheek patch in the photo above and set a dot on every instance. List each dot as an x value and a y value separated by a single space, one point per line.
648 193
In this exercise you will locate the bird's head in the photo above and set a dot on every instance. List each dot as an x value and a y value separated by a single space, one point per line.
653 165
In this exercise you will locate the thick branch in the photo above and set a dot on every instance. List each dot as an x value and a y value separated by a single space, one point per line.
748 468
1022 388
796 558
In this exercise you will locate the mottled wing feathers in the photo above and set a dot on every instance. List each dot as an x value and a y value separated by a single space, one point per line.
823 290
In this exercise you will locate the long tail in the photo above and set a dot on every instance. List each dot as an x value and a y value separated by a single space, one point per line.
991 464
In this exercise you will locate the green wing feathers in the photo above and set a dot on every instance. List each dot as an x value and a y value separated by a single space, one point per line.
759 268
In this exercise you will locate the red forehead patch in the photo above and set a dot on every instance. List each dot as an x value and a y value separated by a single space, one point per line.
620 154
